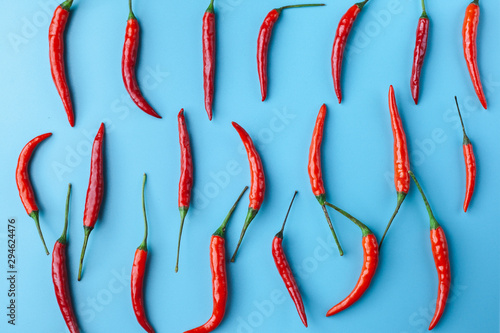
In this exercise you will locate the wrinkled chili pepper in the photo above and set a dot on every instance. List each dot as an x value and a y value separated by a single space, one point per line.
186 181
129 60
60 275
370 262
470 163
343 30
95 191
257 183
315 171
219 275
208 40
24 184
138 272
419 53
285 271
469 34
56 54
441 259
401 158
265 33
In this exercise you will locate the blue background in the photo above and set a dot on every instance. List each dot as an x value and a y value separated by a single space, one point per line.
357 160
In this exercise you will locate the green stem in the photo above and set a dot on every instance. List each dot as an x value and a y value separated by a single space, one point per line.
63 239
183 211
361 4
144 244
364 229
87 231
466 138
210 8
476 2
34 216
131 13
300 6
329 221
222 229
66 5
433 222
401 198
280 233
424 12
250 216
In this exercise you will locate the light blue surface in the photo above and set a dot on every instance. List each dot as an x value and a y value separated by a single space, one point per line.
357 159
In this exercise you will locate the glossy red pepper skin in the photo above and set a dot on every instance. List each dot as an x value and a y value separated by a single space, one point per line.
129 60
263 40
339 43
257 182
57 29
469 34
419 55
23 182
95 190
208 40
60 277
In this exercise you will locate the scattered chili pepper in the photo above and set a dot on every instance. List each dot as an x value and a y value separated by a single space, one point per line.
314 169
258 182
285 271
186 181
419 53
470 163
129 60
24 184
60 275
343 30
370 262
138 272
441 259
56 54
265 32
95 191
401 158
219 275
208 39
469 34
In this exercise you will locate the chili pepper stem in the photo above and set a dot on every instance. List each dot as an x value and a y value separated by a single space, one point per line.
131 15
63 239
34 216
300 6
85 240
434 223
210 8
364 229
183 212
144 244
361 4
401 198
476 2
341 252
66 4
222 229
250 216
280 233
466 138
424 13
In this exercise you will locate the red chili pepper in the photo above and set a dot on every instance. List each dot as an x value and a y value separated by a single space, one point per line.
469 34
186 181
258 182
138 272
208 39
60 275
24 184
94 192
219 275
314 169
265 32
129 60
339 43
401 158
286 272
56 54
370 262
419 53
441 259
470 163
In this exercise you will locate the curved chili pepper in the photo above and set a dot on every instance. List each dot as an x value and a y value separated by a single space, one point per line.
258 182
95 191
56 54
60 275
370 262
470 163
339 43
314 169
265 32
469 34
186 181
286 272
24 184
441 259
401 158
138 272
208 39
419 53
219 275
129 60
